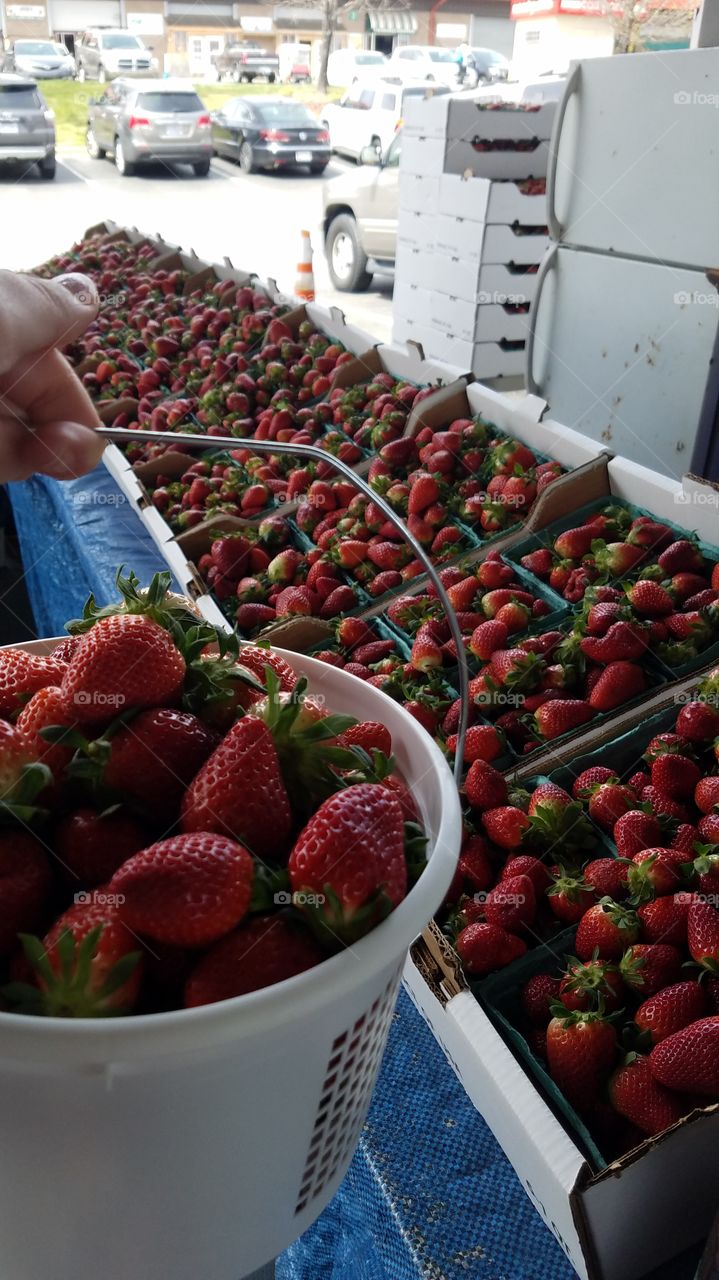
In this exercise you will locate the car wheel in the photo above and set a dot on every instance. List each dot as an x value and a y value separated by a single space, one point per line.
102 76
271 79
47 167
81 74
236 75
93 147
247 159
346 259
201 168
122 164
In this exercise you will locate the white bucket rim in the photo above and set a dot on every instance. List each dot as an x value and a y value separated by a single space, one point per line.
136 1036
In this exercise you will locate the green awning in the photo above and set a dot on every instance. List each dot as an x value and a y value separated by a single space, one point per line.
392 22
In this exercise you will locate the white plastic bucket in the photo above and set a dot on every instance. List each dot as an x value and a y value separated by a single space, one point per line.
197 1144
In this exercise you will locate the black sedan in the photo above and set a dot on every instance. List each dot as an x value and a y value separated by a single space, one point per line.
270 133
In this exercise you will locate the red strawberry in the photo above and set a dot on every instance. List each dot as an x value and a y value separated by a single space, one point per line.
511 905
634 831
708 828
22 674
648 967
65 649
524 864
238 787
570 897
186 891
706 794
583 785
560 716
351 856
671 1009
484 786
682 556
251 617
516 669
663 806
539 562
88 964
24 885
639 781
487 638
665 919
616 558
602 616
537 996
474 869
257 660
426 654
265 950
703 935
666 743
607 928
484 947
676 776
607 877
368 734
636 1095
698 722
581 1048
506 826
481 743
618 683
592 984
623 642
609 802
154 758
423 493
688 1060
46 707
125 660
653 873
575 543
650 599
91 846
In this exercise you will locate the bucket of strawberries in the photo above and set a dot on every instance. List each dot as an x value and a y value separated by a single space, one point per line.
212 861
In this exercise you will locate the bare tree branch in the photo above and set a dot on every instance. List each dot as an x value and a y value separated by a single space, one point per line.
331 11
637 22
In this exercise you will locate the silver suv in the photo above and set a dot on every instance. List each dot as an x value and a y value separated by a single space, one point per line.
27 126
101 53
150 120
360 219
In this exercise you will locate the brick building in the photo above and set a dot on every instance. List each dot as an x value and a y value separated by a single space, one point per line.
183 34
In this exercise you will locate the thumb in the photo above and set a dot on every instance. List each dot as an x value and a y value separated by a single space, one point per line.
37 314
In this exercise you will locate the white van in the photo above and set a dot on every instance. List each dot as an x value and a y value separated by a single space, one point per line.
347 65
369 114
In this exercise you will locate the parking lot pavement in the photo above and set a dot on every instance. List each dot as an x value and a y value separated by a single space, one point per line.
255 220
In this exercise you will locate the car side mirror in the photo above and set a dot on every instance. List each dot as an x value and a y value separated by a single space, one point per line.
370 155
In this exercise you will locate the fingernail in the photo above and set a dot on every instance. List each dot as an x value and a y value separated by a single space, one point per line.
81 287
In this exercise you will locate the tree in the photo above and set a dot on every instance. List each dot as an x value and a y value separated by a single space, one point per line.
638 22
331 14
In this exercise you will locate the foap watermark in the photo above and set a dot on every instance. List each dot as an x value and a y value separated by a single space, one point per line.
685 898
94 698
695 98
96 898
683 699
697 498
498 299
695 298
87 498
284 898
500 897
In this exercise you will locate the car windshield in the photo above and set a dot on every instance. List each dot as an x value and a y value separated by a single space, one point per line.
121 41
440 55
161 101
369 59
489 58
34 47
18 97
420 91
285 113
62 50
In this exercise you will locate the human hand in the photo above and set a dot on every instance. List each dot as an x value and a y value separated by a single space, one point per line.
47 420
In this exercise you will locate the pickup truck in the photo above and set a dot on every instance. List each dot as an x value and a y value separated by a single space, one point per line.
244 62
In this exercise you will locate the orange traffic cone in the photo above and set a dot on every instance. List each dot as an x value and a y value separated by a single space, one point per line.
305 284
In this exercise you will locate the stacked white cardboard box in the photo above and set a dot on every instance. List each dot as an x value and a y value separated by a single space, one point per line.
471 231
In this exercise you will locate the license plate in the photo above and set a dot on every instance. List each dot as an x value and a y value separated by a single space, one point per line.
6 127
303 157
176 131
